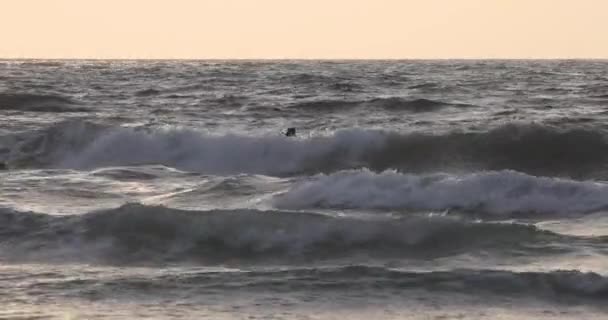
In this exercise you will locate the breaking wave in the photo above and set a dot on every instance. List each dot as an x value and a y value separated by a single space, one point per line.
48 147
530 148
136 233
499 193
38 103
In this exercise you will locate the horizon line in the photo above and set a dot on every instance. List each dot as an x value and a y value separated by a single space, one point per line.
310 59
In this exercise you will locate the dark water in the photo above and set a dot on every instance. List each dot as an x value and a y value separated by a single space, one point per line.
413 189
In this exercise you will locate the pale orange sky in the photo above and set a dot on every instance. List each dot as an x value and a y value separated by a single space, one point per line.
251 29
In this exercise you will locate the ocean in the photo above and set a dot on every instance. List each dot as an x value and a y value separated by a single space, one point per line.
412 189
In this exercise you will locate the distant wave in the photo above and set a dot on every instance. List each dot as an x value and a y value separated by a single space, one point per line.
426 85
144 234
394 104
230 100
38 103
499 193
147 93
530 148
346 86
600 96
42 63
308 78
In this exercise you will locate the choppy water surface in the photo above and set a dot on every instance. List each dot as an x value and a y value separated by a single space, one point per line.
414 189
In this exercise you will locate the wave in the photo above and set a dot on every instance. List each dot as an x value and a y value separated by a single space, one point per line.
416 105
393 103
41 63
38 103
562 286
137 233
558 285
83 145
498 193
530 148
425 85
307 78
229 100
147 93
49 146
547 285
346 86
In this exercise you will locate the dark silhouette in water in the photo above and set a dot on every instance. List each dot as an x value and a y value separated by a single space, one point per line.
3 166
291 132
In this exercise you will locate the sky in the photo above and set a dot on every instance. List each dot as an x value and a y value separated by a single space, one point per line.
303 29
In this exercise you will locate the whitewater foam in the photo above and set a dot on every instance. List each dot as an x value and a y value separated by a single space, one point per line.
82 145
534 149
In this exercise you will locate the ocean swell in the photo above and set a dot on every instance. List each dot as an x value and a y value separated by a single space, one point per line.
553 285
145 234
392 103
496 193
563 286
38 103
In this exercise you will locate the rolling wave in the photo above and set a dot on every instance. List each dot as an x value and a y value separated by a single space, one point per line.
146 234
530 148
498 193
